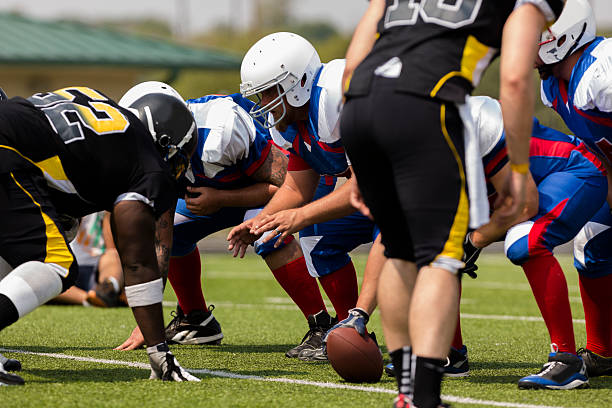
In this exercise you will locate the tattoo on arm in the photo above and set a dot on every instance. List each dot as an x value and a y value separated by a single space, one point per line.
162 246
273 169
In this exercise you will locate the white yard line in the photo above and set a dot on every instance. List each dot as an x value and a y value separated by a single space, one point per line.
226 374
276 306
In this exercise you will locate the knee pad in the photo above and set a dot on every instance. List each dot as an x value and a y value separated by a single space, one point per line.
516 244
265 249
32 284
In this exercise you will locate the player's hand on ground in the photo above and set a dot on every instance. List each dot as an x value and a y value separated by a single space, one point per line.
356 200
202 200
240 238
511 200
357 319
284 222
136 340
165 367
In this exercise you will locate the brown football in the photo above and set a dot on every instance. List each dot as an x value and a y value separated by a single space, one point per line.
355 358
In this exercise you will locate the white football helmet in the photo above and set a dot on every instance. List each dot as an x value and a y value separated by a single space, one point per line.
165 114
284 60
574 28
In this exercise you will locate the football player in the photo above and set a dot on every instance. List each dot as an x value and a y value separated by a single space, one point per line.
72 152
236 169
410 68
299 100
576 70
571 188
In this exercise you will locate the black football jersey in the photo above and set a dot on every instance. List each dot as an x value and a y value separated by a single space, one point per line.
92 152
439 48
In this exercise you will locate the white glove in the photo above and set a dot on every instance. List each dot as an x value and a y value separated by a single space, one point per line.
164 365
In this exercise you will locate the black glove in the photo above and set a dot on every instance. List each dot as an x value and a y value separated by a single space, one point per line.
470 255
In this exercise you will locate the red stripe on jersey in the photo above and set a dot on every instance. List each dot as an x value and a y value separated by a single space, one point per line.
596 119
495 161
591 157
296 163
303 131
563 91
262 158
551 148
535 240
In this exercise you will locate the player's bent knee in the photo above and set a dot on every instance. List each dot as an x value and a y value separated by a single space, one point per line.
145 294
32 284
516 244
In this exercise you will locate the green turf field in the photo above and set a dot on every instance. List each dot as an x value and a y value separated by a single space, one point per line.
70 361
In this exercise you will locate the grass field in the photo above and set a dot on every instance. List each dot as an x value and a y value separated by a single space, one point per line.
69 362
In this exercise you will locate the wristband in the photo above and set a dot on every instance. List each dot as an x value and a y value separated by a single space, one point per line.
520 168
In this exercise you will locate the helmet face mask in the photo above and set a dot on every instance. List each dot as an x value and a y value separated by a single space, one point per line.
284 62
574 28
166 116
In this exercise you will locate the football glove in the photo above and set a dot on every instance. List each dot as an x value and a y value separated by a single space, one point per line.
164 365
357 319
470 255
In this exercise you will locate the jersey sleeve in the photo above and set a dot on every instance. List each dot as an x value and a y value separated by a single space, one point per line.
229 133
594 91
489 127
328 94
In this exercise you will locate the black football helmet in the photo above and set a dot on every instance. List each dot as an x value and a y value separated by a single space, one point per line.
165 114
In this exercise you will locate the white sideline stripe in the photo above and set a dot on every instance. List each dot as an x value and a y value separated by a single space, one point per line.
463 315
225 374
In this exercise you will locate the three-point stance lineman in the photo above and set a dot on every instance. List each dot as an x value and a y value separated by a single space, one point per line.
71 152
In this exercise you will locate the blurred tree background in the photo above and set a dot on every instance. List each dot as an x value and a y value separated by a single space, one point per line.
272 16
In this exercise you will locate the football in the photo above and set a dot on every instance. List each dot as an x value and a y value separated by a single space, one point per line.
355 358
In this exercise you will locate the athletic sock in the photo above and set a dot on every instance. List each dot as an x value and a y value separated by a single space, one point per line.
341 289
549 288
300 286
8 312
597 303
402 364
184 275
427 382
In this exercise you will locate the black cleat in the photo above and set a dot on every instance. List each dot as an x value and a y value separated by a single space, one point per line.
318 325
7 378
563 371
10 364
197 327
457 363
596 365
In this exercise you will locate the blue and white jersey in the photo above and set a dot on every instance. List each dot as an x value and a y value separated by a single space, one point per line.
315 143
231 145
585 103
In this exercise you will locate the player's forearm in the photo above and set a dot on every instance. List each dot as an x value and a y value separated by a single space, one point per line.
363 38
332 206
517 91
254 195
285 198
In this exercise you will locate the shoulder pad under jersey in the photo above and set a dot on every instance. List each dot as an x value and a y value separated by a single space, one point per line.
594 91
229 133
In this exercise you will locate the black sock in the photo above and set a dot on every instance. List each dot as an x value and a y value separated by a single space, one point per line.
427 380
402 364
8 312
